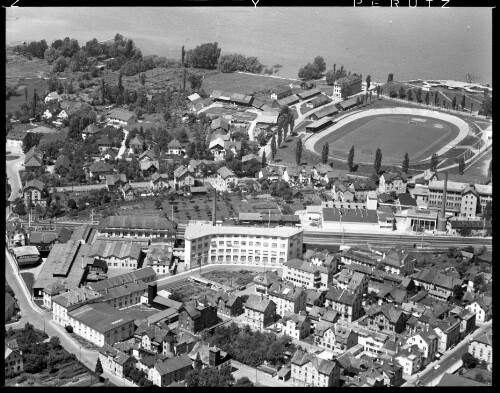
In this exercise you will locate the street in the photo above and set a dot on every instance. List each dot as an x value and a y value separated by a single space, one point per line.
257 377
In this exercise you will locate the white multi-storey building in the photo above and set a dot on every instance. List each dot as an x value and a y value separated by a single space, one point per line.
205 243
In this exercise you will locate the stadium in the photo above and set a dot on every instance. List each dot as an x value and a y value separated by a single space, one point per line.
396 131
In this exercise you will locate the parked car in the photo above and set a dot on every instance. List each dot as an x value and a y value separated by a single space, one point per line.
437 366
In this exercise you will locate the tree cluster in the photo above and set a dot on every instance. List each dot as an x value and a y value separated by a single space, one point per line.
204 56
251 347
313 70
209 377
236 62
33 49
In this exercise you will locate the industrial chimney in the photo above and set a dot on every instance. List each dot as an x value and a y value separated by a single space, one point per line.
152 291
441 227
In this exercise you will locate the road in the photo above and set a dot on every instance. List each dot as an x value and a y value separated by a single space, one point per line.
13 176
42 319
451 359
122 147
436 242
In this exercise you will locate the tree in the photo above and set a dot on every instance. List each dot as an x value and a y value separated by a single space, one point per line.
98 367
488 211
350 159
19 207
273 147
330 77
436 98
419 95
390 78
243 382
402 93
406 163
103 90
280 132
378 160
264 160
461 165
324 153
479 377
55 342
198 364
320 63
298 151
195 81
468 360
490 169
368 81
463 102
158 204
291 123
454 102
72 204
426 99
410 95
471 106
434 162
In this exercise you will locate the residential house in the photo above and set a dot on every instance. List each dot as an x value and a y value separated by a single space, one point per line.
149 167
346 302
147 155
260 312
33 193
447 330
481 347
92 130
226 177
109 154
183 177
14 362
220 124
397 261
33 158
99 170
170 370
311 370
116 181
62 163
104 143
294 325
175 148
385 318
353 281
362 188
264 281
336 337
120 117
307 274
16 235
440 286
391 181
197 315
52 96
136 143
228 305
114 360
427 341
482 307
10 306
287 297
159 181
410 359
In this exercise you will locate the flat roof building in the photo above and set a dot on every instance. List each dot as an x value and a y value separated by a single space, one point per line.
240 244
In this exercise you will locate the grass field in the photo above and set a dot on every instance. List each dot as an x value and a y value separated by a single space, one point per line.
241 83
393 134
231 278
15 102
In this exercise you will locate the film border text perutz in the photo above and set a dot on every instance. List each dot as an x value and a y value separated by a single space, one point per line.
402 3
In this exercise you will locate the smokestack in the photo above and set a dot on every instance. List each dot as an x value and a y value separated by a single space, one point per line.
441 218
152 291
214 212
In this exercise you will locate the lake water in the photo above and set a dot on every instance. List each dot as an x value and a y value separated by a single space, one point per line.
411 43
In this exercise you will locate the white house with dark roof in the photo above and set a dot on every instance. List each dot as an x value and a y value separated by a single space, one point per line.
307 274
279 92
183 177
175 148
481 347
120 117
65 302
33 193
225 177
390 181
311 370
294 325
52 96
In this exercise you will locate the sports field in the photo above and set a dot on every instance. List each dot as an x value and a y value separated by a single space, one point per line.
395 135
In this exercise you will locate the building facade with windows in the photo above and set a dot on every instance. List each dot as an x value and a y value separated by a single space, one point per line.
310 370
207 244
482 348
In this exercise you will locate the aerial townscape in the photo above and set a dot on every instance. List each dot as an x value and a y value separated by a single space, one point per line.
202 219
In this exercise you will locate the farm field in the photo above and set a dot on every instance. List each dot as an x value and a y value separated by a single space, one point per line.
393 134
231 278
241 83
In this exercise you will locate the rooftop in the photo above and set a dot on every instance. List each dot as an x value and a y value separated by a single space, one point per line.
197 230
100 316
